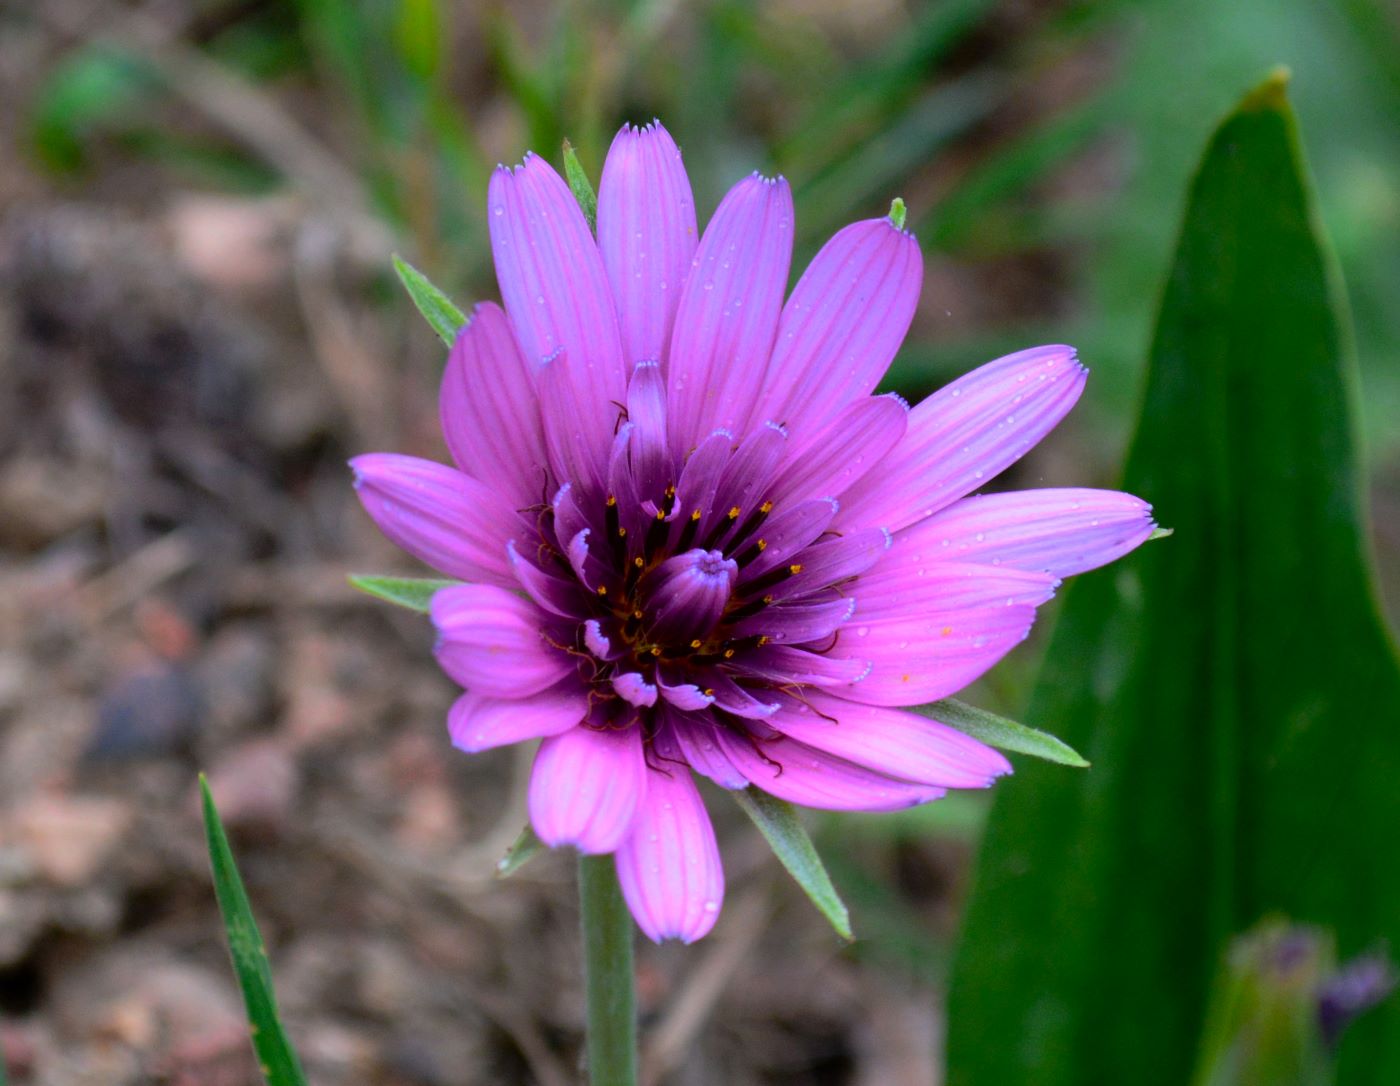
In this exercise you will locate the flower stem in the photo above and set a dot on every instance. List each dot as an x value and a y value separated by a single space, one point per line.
610 985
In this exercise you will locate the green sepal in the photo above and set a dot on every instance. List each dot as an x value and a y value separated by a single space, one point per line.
1002 733
581 186
526 847
276 1058
415 593
437 308
778 822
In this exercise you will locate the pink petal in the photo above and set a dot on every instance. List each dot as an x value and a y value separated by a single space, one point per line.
1059 531
491 411
931 656
812 778
908 584
929 629
491 642
440 516
647 236
697 744
890 741
967 433
586 786
843 450
557 294
843 324
729 311
479 723
669 865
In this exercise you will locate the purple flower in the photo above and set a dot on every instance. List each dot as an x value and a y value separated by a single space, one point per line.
696 539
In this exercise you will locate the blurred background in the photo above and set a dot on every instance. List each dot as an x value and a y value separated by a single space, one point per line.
198 325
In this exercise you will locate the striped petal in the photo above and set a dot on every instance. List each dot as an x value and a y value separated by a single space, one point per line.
967 433
490 641
477 722
647 236
586 786
729 312
843 324
491 411
1059 531
843 450
890 741
669 865
440 516
809 777
557 295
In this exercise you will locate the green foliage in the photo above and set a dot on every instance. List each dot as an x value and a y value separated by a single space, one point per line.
92 89
998 731
415 593
524 849
276 1058
437 308
581 187
780 826
1235 687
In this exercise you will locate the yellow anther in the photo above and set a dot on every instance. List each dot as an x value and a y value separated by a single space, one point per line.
602 590
638 613
661 514
764 639
733 512
695 644
947 630
763 544
638 562
621 533
671 491
768 598
612 500
695 515
795 568
728 654
709 691
766 507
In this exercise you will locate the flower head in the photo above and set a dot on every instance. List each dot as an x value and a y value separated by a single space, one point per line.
694 537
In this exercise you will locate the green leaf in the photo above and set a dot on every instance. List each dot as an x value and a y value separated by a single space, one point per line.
580 185
90 89
415 593
778 822
1000 732
526 847
1236 689
437 308
276 1058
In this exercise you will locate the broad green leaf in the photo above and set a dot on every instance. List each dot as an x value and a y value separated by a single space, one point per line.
415 593
1235 687
579 184
437 308
276 1058
998 731
778 822
525 848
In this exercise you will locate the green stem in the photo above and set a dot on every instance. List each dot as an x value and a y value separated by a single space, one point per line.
610 985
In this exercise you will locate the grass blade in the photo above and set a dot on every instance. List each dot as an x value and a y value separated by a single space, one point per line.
276 1058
